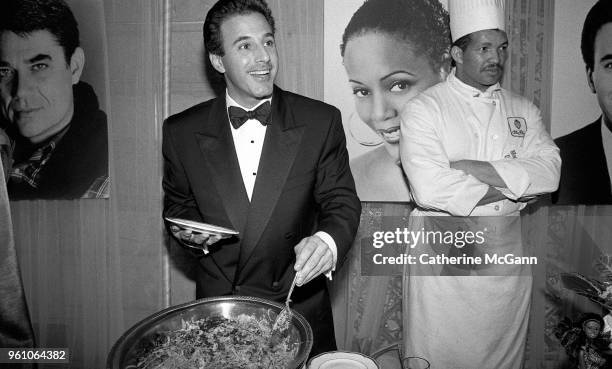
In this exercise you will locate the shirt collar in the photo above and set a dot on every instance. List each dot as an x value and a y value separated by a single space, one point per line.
28 171
468 90
231 102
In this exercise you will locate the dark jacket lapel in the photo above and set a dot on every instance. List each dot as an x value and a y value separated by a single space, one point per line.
281 144
597 167
217 146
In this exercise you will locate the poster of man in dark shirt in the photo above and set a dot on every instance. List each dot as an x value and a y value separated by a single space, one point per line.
59 147
586 153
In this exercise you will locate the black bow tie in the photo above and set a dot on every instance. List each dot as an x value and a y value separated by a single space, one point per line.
238 115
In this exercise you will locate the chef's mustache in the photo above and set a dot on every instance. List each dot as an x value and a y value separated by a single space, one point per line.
493 66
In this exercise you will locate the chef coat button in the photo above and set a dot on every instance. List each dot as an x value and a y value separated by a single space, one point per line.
494 103
236 289
496 207
495 137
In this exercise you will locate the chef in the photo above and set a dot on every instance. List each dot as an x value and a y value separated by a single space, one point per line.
472 148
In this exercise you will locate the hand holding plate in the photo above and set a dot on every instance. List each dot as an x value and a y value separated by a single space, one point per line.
198 235
194 239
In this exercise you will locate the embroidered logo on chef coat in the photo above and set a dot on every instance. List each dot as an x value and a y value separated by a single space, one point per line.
517 126
511 155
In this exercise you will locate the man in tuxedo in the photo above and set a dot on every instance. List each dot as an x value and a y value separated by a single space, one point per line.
586 153
269 163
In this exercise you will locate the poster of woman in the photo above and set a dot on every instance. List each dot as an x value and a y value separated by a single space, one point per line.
378 55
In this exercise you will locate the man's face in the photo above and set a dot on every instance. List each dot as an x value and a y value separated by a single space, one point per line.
600 78
250 61
36 83
481 65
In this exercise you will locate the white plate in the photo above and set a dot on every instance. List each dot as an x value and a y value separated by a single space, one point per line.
202 227
342 360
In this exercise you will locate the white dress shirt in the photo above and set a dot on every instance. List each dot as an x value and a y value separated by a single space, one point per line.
248 141
453 121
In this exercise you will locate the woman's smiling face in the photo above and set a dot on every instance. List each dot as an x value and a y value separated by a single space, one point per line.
384 73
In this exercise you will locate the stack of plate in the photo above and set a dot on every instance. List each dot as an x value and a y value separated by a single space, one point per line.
342 360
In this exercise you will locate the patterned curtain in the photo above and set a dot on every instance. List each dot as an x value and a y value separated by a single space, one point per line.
368 310
530 27
568 239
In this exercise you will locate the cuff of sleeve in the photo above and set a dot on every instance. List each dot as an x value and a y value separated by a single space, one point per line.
332 247
515 177
465 199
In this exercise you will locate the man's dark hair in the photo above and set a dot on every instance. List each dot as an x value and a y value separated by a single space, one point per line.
23 17
422 23
224 9
600 14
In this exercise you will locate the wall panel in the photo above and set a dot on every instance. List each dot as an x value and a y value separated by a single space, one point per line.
92 268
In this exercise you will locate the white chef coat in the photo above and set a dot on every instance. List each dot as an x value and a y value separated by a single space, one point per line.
471 321
454 121
248 142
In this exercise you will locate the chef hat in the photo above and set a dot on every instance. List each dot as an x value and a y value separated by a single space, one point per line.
468 16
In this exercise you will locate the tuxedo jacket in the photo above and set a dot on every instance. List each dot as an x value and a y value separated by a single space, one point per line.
584 171
303 185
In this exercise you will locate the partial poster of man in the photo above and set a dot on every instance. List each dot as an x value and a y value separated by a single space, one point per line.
582 102
56 124
378 55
